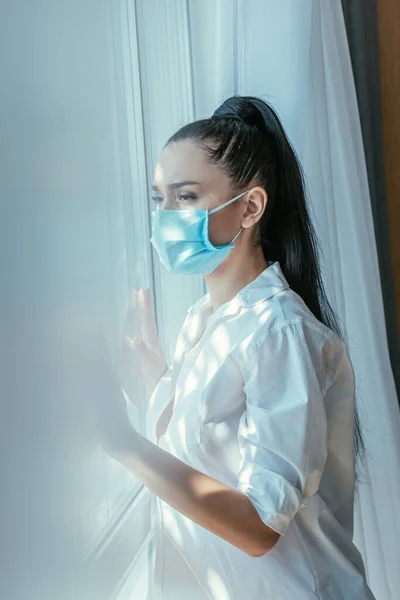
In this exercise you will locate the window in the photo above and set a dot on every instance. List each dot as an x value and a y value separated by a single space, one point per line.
116 510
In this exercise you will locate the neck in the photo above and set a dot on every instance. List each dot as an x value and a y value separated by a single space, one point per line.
238 270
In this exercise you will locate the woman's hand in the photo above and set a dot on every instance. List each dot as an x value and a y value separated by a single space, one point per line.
143 350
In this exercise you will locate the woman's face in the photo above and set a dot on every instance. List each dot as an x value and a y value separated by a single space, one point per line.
183 179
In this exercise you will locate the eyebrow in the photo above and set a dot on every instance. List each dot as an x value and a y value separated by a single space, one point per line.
178 184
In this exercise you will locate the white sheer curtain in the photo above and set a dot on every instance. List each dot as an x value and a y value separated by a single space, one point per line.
295 55
335 164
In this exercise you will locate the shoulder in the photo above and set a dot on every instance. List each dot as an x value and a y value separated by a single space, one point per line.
284 324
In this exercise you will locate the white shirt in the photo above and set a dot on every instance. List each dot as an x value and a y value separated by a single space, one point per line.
264 402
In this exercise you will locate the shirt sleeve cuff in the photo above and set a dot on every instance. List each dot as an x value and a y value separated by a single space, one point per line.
274 498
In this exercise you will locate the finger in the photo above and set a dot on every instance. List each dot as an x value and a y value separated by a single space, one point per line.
132 344
140 348
137 347
147 320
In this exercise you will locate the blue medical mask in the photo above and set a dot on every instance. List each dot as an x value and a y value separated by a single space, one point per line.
182 243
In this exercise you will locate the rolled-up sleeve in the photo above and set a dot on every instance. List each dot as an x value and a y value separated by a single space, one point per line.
282 433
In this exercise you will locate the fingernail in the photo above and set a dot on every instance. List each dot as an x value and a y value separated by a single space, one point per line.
137 341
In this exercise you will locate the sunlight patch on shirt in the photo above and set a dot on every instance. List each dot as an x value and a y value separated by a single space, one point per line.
217 584
192 382
180 346
222 343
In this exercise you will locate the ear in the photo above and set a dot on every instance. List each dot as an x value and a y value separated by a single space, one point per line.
257 202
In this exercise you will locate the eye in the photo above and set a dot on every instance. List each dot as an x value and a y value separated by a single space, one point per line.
185 197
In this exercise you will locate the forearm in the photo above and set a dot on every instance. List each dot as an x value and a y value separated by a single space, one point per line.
215 506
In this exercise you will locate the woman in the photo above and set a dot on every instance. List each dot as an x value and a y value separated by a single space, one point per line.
252 434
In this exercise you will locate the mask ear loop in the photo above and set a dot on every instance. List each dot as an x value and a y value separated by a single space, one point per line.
240 230
226 203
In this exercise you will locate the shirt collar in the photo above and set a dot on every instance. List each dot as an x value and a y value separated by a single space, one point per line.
268 283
